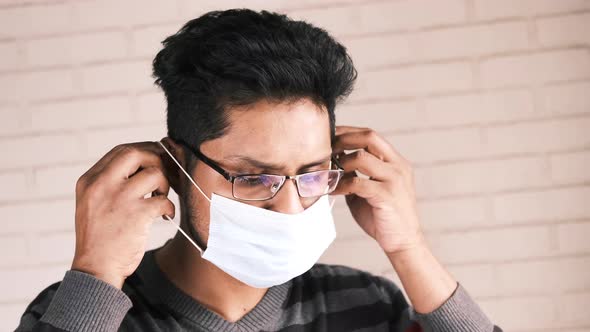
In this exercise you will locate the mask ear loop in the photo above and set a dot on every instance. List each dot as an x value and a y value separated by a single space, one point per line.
170 219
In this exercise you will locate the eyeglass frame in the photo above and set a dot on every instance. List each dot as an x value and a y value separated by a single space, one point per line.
230 178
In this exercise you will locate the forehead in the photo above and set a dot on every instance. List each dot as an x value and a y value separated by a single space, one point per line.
298 131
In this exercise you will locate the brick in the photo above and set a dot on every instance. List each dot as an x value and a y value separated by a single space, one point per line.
573 309
58 181
10 57
479 108
507 8
409 14
54 248
17 184
99 142
393 49
76 49
39 85
15 248
570 168
573 238
542 205
470 41
491 245
415 80
338 21
38 216
449 145
543 277
81 114
12 122
383 117
364 254
545 136
477 279
566 99
24 284
531 69
383 16
564 30
482 177
118 77
151 107
534 312
191 9
98 14
41 150
453 213
35 20
147 41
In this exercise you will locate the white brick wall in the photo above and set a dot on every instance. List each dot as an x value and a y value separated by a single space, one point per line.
489 99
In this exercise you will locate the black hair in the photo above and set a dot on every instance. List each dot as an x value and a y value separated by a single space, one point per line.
239 56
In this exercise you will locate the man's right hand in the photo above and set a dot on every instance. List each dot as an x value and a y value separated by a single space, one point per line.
113 218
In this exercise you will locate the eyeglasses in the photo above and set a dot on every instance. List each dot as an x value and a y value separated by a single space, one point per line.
260 187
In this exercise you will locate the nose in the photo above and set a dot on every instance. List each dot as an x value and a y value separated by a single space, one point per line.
287 200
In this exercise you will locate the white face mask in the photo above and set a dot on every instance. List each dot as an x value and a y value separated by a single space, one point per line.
260 247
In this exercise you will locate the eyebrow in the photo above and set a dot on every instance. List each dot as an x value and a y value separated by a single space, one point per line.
270 166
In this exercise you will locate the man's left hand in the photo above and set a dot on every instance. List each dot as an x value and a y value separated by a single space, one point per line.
384 205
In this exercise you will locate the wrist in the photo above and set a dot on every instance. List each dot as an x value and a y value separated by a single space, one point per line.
411 248
111 278
425 280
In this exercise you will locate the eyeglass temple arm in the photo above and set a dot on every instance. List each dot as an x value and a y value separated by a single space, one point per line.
209 162
336 161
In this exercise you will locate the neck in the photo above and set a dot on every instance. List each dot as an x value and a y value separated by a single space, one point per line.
205 282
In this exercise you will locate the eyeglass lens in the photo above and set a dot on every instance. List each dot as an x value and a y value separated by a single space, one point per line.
264 186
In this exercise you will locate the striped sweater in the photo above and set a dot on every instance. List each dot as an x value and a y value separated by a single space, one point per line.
326 298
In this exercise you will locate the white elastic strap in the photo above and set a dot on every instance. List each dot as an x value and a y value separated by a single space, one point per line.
182 169
183 233
332 204
191 179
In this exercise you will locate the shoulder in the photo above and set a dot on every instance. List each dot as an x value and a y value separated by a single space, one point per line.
348 282
37 307
346 298
344 277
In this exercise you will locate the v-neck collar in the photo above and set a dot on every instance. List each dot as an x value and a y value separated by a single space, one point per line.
263 314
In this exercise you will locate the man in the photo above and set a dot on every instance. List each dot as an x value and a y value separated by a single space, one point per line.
253 153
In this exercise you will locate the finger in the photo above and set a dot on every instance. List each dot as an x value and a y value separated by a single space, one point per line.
133 157
368 140
148 180
367 164
348 129
371 190
158 206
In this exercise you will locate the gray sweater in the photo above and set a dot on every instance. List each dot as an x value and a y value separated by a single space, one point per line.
326 298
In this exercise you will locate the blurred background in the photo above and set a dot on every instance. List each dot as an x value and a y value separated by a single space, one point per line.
489 99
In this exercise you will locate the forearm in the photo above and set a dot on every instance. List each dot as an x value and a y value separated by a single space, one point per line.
426 282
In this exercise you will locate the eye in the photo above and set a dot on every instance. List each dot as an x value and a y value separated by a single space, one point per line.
252 180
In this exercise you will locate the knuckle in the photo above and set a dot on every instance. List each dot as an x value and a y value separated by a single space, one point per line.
153 172
371 134
81 183
361 154
128 151
92 190
356 181
119 148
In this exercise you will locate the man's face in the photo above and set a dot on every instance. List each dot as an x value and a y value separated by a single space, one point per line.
292 138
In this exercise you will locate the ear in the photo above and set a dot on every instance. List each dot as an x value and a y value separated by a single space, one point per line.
173 172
